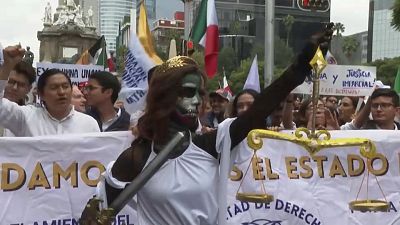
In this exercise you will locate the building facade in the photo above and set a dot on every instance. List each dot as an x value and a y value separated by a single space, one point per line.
112 12
164 30
385 40
246 20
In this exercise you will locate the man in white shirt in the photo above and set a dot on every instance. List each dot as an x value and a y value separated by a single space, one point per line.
56 116
383 106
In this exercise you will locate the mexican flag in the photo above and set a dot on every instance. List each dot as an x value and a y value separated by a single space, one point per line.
94 53
205 33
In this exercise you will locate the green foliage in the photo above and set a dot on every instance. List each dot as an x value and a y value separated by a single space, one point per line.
121 53
350 45
258 49
339 29
386 69
288 22
283 53
395 23
227 59
234 27
162 54
198 56
213 84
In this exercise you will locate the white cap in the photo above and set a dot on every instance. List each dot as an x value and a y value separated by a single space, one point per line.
379 84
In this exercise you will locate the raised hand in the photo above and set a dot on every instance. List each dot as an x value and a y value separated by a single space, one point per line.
321 39
331 120
12 55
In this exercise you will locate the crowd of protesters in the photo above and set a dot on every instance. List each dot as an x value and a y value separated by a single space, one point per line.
55 106
379 111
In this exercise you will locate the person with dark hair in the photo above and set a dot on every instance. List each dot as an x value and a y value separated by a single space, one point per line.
383 106
347 109
185 188
324 118
55 116
19 82
101 93
18 86
242 101
219 101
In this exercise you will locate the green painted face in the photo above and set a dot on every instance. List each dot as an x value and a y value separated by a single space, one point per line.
189 96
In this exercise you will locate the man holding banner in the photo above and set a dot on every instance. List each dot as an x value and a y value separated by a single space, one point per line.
185 190
56 116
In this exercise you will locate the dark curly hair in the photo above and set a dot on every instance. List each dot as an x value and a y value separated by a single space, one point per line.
162 97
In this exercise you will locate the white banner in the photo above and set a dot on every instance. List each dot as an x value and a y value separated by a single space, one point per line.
343 80
48 180
317 189
77 73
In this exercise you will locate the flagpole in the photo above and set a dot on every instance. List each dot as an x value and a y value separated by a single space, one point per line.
269 42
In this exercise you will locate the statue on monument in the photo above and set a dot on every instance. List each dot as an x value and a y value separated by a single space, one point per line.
47 14
28 57
71 5
90 17
62 18
78 16
72 14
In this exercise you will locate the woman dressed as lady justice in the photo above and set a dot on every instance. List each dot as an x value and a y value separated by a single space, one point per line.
185 189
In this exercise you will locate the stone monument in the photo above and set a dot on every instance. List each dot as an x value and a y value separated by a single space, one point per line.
64 38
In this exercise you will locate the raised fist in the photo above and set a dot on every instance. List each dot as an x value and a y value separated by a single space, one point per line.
12 55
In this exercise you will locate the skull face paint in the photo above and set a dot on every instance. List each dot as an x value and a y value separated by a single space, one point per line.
189 99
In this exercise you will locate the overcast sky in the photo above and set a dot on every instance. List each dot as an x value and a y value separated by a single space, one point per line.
21 19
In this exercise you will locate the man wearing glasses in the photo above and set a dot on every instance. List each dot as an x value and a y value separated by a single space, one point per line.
101 93
18 86
383 106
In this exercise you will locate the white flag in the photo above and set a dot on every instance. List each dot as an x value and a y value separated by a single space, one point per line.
253 81
329 58
135 76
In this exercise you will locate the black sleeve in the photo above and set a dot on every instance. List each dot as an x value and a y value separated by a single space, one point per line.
262 107
268 100
128 165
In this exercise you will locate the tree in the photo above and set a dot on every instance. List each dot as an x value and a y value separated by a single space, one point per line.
234 27
283 54
239 76
288 22
386 69
121 53
198 56
395 23
350 45
258 49
339 29
177 36
227 60
161 53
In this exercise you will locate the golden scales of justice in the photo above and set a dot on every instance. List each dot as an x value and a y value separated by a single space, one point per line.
314 141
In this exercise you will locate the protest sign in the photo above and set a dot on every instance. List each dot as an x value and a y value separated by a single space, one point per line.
77 73
343 80
48 180
317 189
